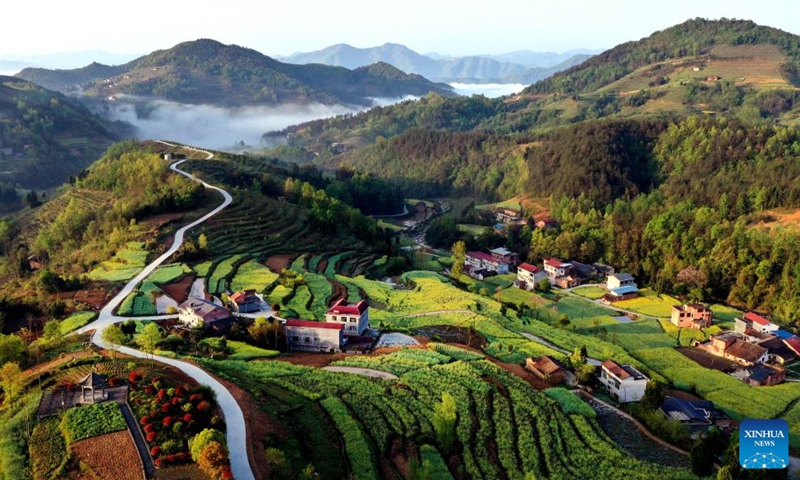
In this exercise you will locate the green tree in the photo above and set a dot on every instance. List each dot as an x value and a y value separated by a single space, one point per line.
149 338
543 285
12 349
113 337
563 321
702 459
444 421
459 256
653 395
51 330
11 381
203 439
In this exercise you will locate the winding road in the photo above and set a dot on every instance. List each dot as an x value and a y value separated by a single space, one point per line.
237 439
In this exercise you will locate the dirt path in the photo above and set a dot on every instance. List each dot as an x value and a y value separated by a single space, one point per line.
366 372
544 342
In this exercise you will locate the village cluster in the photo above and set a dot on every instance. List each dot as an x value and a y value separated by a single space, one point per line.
756 350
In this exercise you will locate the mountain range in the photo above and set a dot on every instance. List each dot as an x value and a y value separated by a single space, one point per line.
517 67
208 72
62 60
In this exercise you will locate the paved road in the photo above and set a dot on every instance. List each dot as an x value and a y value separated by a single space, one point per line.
141 446
237 439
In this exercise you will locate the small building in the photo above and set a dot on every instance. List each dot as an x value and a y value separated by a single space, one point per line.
499 229
506 215
779 352
556 268
793 343
620 280
761 375
504 255
568 281
246 302
699 415
547 368
529 276
354 317
198 313
485 261
310 336
603 270
583 271
756 322
546 222
694 315
623 382
733 346
619 294
167 157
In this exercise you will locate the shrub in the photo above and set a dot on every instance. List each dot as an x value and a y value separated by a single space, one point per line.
176 427
195 397
134 377
149 390
159 462
167 422
171 446
151 437
155 451
166 408
145 420
180 391
156 382
203 439
187 418
175 401
161 393
203 406
149 428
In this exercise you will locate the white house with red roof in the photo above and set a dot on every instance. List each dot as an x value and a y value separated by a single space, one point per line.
755 322
529 276
310 336
354 317
485 261
623 382
560 273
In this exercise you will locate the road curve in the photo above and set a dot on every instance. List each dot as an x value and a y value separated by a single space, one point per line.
234 418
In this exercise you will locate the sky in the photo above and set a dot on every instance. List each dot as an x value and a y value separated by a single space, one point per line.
284 27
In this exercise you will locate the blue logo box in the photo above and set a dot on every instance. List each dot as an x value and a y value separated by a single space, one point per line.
764 444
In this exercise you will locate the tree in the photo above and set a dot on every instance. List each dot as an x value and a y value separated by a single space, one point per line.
203 439
51 330
543 285
11 380
444 421
213 459
702 459
563 321
12 349
459 255
202 242
149 338
653 395
113 337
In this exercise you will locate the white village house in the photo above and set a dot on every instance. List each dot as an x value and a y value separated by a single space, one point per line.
354 317
311 336
623 382
198 313
485 261
529 276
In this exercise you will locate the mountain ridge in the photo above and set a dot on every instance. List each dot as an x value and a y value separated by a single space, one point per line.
207 71
466 69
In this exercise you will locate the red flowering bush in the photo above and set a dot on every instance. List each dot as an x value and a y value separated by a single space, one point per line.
166 408
112 382
159 462
149 390
187 418
176 401
155 451
167 422
145 420
180 391
151 437
149 428
196 397
134 377
226 473
203 406
162 393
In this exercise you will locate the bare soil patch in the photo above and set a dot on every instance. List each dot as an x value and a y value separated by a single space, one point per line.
451 334
708 360
111 456
278 263
179 290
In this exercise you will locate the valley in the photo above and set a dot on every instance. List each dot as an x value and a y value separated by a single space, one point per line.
593 277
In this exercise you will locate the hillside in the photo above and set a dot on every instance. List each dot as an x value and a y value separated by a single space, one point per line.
466 69
45 136
208 72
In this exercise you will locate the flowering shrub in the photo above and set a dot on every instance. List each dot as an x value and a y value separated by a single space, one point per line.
155 451
145 420
167 422
134 377
151 436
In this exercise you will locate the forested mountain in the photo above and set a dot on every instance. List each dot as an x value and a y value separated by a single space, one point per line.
466 69
701 67
208 72
44 137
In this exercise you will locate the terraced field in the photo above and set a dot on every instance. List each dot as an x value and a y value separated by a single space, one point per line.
500 426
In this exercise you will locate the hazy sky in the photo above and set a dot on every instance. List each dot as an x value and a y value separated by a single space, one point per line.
284 27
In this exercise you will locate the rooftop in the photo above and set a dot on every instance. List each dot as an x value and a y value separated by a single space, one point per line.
342 306
624 290
528 267
483 256
293 322
748 352
502 251
623 371
756 318
546 364
623 277
206 310
760 373
556 263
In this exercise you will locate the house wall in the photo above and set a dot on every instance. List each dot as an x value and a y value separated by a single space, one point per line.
188 317
353 325
314 339
623 391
